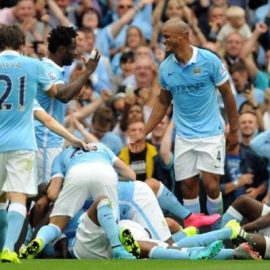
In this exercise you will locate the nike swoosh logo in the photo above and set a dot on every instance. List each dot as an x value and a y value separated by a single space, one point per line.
170 74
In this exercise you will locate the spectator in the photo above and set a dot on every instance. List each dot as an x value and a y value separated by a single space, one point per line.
266 114
243 85
134 39
236 23
142 162
102 123
233 45
211 26
260 78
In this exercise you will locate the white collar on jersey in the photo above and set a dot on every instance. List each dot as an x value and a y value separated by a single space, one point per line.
47 60
193 58
9 52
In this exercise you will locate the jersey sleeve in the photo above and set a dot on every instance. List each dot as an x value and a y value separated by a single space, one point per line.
218 71
58 167
44 81
261 144
37 106
110 153
161 78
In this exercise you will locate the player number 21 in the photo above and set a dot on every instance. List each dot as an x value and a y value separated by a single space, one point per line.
7 91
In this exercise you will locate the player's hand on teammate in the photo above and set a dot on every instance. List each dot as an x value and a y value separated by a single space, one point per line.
79 143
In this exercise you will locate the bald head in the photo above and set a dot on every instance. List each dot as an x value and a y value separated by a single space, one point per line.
176 25
176 36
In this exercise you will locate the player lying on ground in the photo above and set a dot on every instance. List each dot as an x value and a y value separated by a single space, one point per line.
258 226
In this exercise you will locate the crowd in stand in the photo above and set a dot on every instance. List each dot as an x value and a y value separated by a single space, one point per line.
114 98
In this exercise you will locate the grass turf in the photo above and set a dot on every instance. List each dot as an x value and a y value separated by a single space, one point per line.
135 265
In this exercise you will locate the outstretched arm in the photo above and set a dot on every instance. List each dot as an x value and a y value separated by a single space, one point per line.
249 46
160 108
127 17
124 170
166 144
54 188
56 127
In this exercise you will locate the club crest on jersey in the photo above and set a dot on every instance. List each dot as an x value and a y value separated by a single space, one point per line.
197 71
52 76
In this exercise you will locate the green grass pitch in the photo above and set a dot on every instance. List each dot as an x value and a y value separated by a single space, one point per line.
135 265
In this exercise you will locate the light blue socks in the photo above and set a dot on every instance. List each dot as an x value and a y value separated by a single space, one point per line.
3 224
178 236
15 218
169 202
48 233
230 214
193 205
205 239
215 206
107 222
162 253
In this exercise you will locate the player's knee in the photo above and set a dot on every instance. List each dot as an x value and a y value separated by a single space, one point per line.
173 225
42 204
240 201
212 190
189 189
153 184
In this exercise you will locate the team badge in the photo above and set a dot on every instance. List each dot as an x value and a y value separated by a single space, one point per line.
52 76
197 71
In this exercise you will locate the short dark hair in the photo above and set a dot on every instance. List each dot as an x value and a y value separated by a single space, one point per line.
126 56
60 36
11 36
238 67
86 30
103 116
92 10
136 119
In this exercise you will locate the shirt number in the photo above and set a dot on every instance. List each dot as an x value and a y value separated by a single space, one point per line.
7 90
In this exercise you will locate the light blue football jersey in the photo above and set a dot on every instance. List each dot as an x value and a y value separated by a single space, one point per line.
73 156
261 145
37 106
193 88
125 192
53 106
20 76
